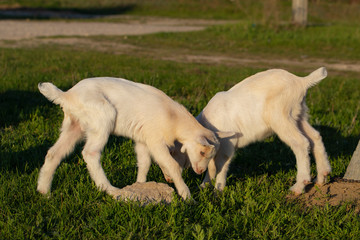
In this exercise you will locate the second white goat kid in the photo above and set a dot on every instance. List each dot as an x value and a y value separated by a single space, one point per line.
268 102
97 107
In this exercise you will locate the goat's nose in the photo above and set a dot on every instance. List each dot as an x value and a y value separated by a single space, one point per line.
199 171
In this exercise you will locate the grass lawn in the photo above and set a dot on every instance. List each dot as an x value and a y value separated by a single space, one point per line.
252 206
247 39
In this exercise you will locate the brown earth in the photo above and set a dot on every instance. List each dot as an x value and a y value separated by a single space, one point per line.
146 193
335 193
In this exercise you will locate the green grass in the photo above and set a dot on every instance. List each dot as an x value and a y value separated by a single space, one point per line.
246 39
252 206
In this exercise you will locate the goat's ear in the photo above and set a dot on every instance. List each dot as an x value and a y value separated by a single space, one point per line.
183 149
208 151
227 134
203 141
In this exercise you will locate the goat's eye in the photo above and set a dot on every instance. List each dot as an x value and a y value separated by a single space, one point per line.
202 153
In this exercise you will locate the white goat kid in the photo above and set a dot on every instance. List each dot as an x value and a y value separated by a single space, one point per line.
97 107
268 102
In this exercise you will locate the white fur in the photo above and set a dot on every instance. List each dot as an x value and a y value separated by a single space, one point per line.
97 107
268 102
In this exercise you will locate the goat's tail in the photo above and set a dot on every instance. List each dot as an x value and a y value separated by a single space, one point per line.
51 92
315 77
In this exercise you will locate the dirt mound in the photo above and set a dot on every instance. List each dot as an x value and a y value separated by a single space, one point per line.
148 192
335 193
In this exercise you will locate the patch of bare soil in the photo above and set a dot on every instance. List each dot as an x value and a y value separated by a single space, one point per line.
29 29
163 54
147 192
334 193
273 63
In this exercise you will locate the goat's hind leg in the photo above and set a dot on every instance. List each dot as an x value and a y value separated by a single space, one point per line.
100 119
70 134
289 133
95 142
322 163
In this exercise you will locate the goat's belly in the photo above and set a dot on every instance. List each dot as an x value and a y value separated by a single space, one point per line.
130 130
253 136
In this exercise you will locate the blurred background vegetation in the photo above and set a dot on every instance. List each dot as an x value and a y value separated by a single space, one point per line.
263 11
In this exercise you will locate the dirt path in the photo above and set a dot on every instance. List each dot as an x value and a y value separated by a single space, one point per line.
307 63
24 29
25 33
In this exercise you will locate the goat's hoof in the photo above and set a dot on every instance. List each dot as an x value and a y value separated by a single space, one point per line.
169 180
307 182
205 185
42 191
296 190
320 180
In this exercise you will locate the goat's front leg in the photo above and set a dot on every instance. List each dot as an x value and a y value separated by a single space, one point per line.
220 165
143 161
168 164
210 174
223 166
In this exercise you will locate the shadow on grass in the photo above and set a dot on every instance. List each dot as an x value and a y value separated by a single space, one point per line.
63 13
32 158
255 159
270 157
267 157
16 106
23 161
